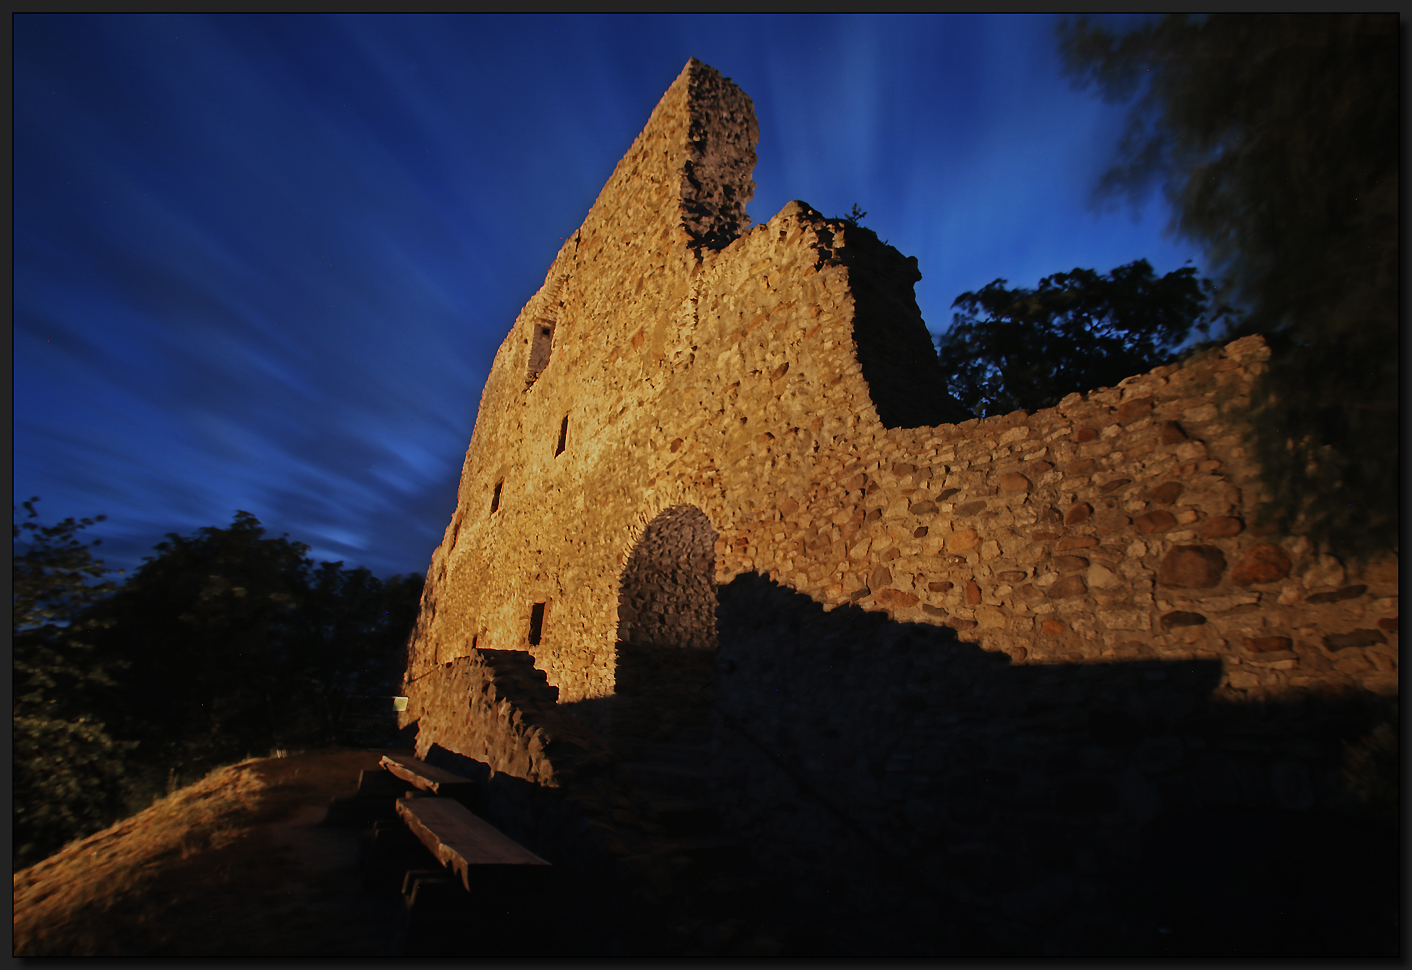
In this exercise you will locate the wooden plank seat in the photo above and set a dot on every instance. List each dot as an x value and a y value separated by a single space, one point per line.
460 840
429 778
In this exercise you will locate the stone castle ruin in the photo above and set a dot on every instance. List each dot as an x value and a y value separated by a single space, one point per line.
1032 682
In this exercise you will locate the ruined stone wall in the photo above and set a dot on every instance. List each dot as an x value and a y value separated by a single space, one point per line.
775 387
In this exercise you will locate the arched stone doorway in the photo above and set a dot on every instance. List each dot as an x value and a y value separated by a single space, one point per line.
666 635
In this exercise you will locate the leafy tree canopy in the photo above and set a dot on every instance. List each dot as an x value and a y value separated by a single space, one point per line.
1276 139
69 771
1013 349
224 643
236 642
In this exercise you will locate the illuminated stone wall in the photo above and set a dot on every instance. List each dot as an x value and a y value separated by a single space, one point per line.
688 400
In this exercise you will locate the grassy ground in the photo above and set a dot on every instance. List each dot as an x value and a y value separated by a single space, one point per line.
233 865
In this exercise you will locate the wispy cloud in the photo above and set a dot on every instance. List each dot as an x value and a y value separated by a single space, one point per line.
265 262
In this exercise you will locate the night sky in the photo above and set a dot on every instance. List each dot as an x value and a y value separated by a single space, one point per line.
265 262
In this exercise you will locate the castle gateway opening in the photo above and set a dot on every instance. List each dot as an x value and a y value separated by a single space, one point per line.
666 635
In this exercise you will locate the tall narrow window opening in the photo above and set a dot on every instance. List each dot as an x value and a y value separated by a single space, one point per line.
541 347
563 436
536 627
495 498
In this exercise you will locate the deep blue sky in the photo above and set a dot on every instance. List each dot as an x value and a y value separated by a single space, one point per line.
264 262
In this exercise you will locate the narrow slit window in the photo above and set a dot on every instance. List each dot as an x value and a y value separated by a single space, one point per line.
495 498
536 627
563 436
541 347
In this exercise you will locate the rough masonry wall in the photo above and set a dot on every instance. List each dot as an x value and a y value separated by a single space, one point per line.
776 385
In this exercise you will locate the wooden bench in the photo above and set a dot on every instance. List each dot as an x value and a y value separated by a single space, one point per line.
428 778
460 840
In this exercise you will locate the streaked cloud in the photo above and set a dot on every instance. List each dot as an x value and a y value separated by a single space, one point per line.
264 262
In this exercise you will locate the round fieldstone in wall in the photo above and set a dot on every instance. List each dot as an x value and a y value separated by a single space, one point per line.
1068 586
1179 618
1131 411
1158 521
1192 567
1221 527
1165 494
1263 564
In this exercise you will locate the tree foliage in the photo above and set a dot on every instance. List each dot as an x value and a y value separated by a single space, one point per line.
69 772
237 643
222 644
1276 139
1012 349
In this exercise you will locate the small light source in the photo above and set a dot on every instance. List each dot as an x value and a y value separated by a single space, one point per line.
399 703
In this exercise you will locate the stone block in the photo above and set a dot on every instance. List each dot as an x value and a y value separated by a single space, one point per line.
1014 482
1067 586
1221 527
1354 638
895 599
1125 619
1337 596
1265 563
1181 618
1134 410
1108 523
1268 644
1101 577
962 539
1156 521
1165 493
1192 567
